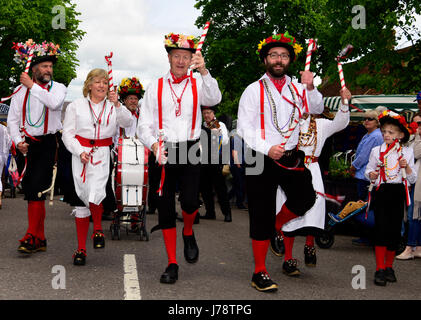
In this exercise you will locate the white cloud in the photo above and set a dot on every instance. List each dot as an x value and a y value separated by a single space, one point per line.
134 31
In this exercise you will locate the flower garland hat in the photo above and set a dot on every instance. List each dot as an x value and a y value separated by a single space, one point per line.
279 40
390 117
130 86
46 51
180 41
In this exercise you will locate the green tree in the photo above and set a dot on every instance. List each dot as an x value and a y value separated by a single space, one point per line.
21 20
239 25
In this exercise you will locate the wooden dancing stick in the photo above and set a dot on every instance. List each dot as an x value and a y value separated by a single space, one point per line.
110 71
203 37
342 55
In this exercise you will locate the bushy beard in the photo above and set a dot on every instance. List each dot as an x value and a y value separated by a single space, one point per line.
277 73
43 78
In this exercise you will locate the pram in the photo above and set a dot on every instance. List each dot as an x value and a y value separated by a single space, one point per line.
130 177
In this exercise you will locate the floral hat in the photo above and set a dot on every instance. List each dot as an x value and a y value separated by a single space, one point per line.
129 86
279 40
46 51
181 41
390 117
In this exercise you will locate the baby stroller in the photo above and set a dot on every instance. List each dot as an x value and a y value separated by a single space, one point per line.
130 177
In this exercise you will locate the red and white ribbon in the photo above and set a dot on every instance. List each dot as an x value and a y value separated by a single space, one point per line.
203 37
110 71
28 64
405 182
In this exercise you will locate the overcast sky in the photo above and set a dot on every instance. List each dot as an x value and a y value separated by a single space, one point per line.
134 31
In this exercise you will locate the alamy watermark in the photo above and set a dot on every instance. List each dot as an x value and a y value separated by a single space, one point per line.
59 20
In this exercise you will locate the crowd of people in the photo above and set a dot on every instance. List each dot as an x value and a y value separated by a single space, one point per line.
282 127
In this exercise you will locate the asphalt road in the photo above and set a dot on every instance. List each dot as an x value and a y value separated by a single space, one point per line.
223 272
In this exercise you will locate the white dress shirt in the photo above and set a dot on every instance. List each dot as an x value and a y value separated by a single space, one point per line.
248 123
176 128
37 99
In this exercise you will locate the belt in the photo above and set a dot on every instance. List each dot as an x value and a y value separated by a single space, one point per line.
94 142
311 159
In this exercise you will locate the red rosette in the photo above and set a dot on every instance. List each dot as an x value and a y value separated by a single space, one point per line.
191 43
413 126
174 38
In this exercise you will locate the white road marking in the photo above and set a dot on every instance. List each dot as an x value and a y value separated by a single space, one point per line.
131 281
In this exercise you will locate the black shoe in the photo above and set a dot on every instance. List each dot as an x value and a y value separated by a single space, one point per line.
310 258
380 278
389 275
208 216
289 267
262 282
170 275
27 244
191 250
79 258
242 207
277 245
40 245
99 239
228 217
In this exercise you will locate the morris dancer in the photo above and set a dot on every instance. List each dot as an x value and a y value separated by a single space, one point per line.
171 112
89 126
34 120
267 113
387 167
313 134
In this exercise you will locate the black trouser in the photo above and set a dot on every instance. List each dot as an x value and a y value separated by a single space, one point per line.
184 176
154 177
261 192
389 207
39 170
211 178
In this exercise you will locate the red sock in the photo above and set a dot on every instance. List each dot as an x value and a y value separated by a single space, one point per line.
41 212
283 217
188 222
288 243
390 257
82 228
260 249
33 217
380 256
96 212
170 239
310 241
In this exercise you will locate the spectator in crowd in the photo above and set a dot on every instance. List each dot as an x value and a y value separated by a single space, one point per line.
371 139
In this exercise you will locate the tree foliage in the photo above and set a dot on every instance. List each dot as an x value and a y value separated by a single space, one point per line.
239 25
21 20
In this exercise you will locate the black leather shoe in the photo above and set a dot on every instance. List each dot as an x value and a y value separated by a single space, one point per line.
99 239
228 217
310 257
389 275
262 282
289 267
208 216
191 250
27 244
380 278
170 274
40 245
79 258
277 245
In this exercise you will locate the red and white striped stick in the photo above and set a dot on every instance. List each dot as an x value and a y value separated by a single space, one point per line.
110 71
203 37
310 50
28 64
346 51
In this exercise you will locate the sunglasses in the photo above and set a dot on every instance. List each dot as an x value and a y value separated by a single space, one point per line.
369 119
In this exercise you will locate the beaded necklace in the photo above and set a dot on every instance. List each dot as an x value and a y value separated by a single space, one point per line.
309 138
28 119
389 170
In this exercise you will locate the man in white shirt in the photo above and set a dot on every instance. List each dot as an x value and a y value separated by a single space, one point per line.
268 117
33 121
170 126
